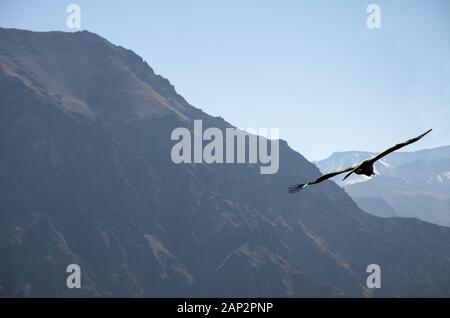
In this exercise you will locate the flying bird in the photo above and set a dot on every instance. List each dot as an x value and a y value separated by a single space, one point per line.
365 167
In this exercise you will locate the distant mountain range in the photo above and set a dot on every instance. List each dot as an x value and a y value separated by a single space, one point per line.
407 184
86 177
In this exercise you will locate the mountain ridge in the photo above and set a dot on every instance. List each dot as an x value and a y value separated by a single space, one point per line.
96 186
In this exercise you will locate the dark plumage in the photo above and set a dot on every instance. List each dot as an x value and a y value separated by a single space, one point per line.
365 167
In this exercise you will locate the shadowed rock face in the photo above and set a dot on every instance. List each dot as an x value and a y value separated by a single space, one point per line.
86 177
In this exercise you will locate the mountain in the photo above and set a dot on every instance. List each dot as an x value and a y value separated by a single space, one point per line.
410 184
87 178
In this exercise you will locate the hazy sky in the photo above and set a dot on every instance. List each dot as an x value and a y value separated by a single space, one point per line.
311 68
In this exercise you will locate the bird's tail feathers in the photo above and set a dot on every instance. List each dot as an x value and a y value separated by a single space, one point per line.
294 188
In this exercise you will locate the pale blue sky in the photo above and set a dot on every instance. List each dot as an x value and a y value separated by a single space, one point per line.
311 68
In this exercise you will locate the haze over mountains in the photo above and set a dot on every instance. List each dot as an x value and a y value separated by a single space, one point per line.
407 184
86 177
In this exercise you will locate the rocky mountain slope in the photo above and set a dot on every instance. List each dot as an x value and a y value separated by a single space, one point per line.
86 177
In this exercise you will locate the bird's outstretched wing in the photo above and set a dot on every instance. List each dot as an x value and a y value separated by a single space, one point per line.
299 186
398 146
